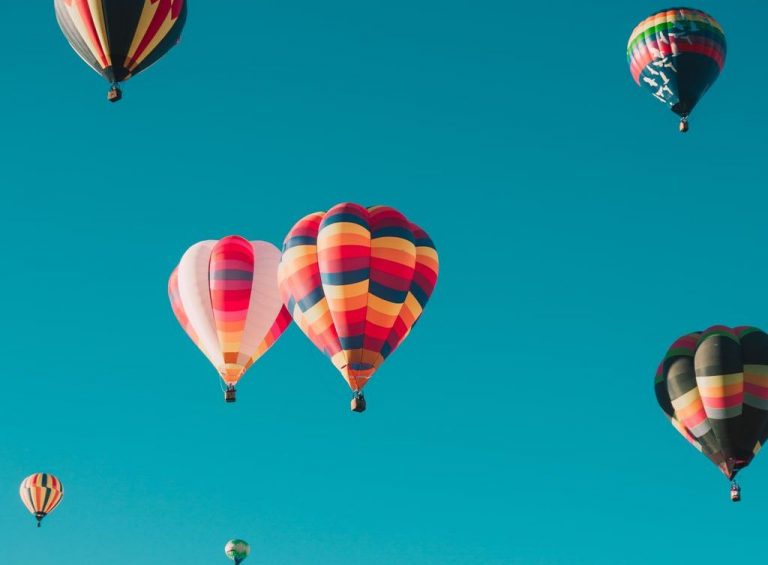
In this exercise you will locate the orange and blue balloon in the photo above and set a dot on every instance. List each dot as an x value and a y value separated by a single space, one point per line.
356 280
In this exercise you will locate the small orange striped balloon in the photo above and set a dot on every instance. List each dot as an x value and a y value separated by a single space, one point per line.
41 493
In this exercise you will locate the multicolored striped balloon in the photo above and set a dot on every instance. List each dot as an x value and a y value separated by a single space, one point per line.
224 294
41 493
713 387
120 38
356 280
677 54
237 550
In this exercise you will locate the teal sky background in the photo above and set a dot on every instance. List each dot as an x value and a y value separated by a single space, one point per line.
579 235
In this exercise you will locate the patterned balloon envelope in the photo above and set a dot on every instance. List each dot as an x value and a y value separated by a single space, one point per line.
120 38
237 550
356 281
713 387
41 493
224 294
677 54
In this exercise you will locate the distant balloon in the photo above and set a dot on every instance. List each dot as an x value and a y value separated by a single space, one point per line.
120 38
713 387
41 493
677 54
237 550
356 281
224 294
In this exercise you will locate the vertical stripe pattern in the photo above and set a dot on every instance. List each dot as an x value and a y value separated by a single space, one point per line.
710 385
355 280
41 493
120 38
224 294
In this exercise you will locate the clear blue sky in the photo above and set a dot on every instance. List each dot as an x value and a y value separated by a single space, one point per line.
579 235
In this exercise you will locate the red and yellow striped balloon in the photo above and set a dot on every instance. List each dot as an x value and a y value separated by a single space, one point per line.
356 280
225 296
41 493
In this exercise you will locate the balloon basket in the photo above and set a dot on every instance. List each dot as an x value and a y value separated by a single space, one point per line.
358 404
229 395
735 493
114 94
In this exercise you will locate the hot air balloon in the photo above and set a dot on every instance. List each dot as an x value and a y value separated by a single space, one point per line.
713 388
120 38
41 493
224 294
677 54
356 280
237 550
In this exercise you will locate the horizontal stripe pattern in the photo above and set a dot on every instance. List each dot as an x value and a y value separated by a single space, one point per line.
677 54
356 280
713 387
227 291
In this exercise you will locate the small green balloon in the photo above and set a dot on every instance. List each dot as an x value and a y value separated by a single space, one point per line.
237 550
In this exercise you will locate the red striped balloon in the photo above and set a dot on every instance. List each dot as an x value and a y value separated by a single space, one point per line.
225 296
41 493
356 280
